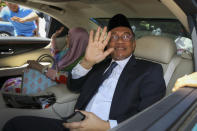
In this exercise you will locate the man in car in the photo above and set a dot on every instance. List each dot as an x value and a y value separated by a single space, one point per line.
112 89
21 29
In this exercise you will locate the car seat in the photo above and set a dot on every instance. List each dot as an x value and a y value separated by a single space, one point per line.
163 50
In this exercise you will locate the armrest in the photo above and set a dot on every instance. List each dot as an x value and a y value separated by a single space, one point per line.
62 93
12 71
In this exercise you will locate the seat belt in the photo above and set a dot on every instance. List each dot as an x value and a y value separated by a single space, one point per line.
171 68
193 27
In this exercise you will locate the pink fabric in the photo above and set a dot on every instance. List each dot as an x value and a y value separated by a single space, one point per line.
78 40
12 85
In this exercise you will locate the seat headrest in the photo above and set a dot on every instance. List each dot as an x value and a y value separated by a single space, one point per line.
155 48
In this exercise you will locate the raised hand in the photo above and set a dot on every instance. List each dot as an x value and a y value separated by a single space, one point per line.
53 37
95 50
57 33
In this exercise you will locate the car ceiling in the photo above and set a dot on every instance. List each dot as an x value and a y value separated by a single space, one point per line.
77 12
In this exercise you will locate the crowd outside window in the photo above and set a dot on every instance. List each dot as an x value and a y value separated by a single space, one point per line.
21 29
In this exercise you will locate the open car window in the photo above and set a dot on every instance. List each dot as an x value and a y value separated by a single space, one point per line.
44 26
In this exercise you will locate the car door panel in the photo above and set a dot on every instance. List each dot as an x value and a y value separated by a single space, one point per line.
16 51
21 59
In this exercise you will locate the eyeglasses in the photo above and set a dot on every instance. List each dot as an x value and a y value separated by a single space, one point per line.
124 37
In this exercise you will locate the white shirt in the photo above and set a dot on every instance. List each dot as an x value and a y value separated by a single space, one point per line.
100 104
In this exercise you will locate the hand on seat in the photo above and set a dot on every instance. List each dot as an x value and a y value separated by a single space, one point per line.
187 80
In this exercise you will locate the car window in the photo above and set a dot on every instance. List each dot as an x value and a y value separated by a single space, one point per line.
158 27
40 27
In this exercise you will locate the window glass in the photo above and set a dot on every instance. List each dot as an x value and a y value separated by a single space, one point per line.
158 27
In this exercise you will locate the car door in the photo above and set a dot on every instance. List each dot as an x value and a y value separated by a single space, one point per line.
15 51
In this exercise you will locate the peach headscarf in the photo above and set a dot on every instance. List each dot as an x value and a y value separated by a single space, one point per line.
78 41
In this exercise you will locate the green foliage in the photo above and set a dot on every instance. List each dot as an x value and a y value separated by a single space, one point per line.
2 4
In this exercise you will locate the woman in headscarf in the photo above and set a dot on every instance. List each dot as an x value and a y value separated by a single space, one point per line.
76 43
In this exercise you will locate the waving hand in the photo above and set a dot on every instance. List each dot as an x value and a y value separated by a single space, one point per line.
95 50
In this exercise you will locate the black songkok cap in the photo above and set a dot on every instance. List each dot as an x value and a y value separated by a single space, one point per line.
117 21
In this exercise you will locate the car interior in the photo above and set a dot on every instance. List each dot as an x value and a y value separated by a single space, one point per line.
158 25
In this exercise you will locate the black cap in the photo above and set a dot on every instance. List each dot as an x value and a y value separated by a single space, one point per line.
118 20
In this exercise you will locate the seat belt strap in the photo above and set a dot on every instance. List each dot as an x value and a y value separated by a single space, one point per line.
171 68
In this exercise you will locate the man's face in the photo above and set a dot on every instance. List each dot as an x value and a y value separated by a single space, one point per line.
123 43
12 7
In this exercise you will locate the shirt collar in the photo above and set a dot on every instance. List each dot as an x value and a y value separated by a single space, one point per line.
122 63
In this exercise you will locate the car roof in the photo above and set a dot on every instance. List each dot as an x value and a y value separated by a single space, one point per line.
78 12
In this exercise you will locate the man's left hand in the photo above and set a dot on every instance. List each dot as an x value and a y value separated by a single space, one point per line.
91 123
